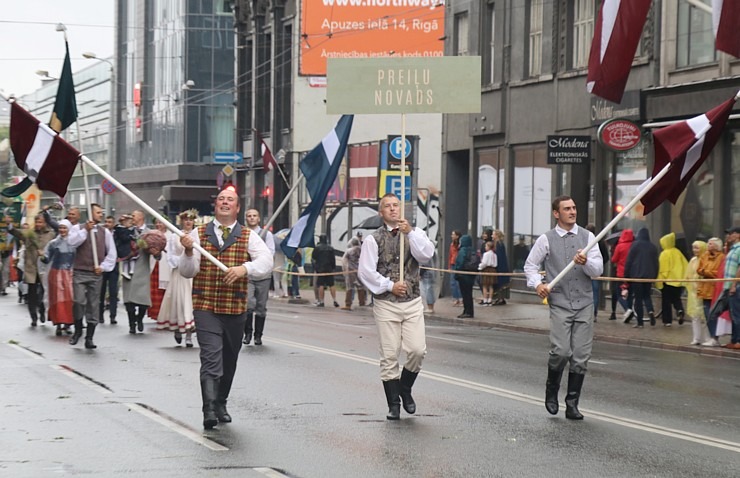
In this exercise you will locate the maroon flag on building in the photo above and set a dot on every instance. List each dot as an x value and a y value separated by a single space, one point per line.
268 160
687 145
726 23
46 158
616 36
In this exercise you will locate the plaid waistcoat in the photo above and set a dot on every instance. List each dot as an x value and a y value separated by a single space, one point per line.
210 292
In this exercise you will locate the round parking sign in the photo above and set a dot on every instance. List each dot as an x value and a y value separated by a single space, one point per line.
396 150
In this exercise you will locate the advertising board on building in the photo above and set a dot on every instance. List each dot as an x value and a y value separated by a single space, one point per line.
369 29
619 134
568 149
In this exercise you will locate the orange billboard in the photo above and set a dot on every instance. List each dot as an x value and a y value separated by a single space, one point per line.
368 29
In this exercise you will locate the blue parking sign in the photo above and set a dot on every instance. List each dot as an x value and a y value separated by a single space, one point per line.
393 185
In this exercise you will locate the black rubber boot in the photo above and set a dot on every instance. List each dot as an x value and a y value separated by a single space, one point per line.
78 333
89 336
575 382
259 327
248 327
551 390
219 405
393 396
209 390
407 382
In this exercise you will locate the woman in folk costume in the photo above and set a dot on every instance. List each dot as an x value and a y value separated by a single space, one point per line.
60 256
160 276
176 313
136 290
695 305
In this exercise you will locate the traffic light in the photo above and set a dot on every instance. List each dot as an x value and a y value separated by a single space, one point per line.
266 192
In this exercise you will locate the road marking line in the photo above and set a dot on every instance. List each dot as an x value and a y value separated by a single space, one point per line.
270 472
597 362
26 351
176 427
522 397
342 325
449 340
83 379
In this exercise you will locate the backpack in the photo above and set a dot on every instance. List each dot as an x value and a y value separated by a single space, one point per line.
471 262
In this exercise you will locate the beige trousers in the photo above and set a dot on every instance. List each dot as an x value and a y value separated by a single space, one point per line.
400 325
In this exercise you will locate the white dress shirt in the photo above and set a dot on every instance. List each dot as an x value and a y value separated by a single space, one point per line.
78 235
593 267
419 244
261 258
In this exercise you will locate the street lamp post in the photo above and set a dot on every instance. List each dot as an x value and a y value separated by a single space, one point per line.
112 112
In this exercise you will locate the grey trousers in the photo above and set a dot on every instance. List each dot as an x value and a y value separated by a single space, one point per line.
87 287
220 339
571 338
258 293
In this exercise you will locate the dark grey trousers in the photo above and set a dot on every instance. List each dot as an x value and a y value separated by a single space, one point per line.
220 339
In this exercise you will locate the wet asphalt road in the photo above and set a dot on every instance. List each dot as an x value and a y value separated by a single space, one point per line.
309 403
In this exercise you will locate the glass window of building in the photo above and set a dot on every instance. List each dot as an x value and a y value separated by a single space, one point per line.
534 184
488 47
536 12
460 45
695 36
583 31
491 189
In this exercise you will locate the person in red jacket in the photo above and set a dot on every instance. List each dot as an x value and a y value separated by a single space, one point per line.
619 259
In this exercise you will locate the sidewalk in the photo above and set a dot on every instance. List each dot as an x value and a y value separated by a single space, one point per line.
524 313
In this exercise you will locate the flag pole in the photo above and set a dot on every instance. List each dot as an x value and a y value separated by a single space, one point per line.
613 222
151 211
280 170
403 195
87 194
277 211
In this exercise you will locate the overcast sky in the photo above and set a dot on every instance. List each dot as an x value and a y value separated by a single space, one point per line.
29 42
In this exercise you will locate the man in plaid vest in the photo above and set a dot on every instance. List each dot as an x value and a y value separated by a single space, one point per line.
220 299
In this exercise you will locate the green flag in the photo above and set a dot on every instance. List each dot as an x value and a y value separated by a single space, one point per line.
65 106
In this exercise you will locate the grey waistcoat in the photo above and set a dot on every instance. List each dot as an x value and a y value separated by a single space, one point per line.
574 290
388 260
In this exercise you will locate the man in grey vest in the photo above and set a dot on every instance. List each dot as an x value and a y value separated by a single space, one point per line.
571 301
88 276
398 310
259 286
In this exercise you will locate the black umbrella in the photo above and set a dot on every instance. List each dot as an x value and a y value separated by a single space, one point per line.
612 238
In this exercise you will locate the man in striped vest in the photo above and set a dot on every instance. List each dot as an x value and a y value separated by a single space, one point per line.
220 299
570 300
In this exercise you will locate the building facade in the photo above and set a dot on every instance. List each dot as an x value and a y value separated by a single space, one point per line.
534 57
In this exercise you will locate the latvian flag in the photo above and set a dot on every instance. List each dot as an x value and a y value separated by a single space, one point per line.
47 159
687 145
320 167
616 36
726 23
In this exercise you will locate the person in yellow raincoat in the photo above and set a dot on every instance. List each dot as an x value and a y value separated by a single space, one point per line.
672 265
694 305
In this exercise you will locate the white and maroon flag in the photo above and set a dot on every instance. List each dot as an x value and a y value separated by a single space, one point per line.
687 145
616 36
46 158
726 23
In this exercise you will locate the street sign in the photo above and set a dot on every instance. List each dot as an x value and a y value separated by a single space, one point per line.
233 157
391 182
396 149
227 170
107 187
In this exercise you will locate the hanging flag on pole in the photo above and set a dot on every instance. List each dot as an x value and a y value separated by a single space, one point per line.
320 168
65 106
268 160
687 145
41 153
616 36
726 23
